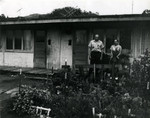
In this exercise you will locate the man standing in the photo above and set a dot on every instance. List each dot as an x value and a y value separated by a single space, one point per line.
96 47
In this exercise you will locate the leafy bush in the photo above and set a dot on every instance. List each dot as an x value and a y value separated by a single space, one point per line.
30 97
72 97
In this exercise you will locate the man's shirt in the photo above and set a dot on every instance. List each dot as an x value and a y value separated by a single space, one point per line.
96 45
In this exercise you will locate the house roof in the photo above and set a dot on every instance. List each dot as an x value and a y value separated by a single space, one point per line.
104 18
72 15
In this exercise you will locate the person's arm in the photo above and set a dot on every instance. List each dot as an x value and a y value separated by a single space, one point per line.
120 50
89 50
111 54
102 51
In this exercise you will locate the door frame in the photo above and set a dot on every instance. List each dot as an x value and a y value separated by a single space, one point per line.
74 43
45 43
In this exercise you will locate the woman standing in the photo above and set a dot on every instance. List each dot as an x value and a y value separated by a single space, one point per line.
115 52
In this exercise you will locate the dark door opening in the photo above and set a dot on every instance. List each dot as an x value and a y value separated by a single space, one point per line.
40 49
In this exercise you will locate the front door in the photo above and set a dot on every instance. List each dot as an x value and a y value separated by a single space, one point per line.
40 49
80 51
66 48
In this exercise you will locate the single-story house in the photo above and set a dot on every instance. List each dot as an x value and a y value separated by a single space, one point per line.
47 43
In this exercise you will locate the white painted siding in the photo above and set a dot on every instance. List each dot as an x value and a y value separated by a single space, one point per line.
18 59
140 40
1 58
136 38
146 40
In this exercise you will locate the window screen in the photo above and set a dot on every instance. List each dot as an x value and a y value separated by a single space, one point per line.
1 44
125 39
111 35
27 40
9 43
81 37
18 43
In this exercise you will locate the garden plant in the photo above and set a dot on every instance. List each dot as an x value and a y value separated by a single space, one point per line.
70 96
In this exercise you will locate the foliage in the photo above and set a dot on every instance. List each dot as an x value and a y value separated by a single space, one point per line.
70 12
141 73
70 96
66 12
28 97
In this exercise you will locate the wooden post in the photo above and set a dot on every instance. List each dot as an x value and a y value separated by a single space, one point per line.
102 77
100 115
65 62
113 67
65 75
147 85
93 111
129 112
94 72
20 79
52 70
100 106
20 71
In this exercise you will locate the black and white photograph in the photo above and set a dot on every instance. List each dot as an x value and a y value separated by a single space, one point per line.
74 58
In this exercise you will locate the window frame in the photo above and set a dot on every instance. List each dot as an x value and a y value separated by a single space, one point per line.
7 38
13 45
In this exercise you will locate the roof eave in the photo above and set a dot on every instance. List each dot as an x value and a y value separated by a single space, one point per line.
76 20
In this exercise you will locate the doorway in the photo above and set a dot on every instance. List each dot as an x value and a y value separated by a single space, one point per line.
40 49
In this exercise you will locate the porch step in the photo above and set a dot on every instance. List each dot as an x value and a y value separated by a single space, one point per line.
36 78
27 71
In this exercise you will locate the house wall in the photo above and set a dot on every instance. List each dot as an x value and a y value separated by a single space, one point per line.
20 58
58 50
66 49
1 59
145 40
80 47
136 38
140 40
53 49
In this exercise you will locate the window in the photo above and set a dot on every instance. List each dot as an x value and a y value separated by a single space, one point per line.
9 43
18 43
111 35
125 39
18 40
81 37
1 43
27 40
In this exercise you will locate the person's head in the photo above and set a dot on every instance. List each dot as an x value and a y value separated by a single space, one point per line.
96 37
116 42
